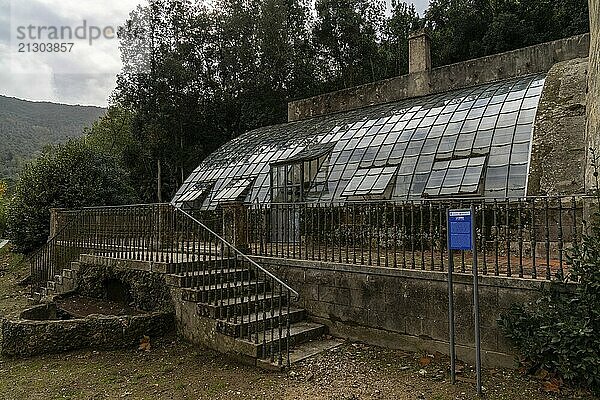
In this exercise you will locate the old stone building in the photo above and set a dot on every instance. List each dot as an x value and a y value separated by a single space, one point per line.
364 175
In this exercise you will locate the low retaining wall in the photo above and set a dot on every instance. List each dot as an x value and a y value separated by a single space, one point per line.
29 338
146 281
50 334
405 309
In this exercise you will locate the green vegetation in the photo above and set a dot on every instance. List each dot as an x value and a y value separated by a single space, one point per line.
3 205
26 127
72 175
560 332
13 269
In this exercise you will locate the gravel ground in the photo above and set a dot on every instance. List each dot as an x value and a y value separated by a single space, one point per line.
173 369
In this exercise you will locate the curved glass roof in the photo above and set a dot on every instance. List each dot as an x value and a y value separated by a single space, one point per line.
473 141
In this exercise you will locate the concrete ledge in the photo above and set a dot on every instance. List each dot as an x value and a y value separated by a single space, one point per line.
439 276
149 266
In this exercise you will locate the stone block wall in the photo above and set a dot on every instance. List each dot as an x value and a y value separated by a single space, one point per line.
403 308
593 109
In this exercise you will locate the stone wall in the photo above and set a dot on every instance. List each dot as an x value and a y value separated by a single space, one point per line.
558 146
29 338
534 59
593 125
405 309
148 289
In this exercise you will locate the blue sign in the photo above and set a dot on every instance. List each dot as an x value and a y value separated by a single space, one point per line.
460 229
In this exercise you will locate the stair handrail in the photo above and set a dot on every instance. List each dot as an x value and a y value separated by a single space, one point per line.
295 294
49 241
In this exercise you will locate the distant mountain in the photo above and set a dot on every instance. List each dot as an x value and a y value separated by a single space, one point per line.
26 127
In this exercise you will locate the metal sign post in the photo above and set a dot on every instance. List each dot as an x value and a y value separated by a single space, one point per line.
451 306
476 303
461 236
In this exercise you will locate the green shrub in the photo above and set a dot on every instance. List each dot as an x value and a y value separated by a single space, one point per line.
3 204
73 175
560 332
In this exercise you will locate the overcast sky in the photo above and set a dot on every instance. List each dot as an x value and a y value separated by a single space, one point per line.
86 74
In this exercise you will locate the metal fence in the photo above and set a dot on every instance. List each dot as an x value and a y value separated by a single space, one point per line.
528 238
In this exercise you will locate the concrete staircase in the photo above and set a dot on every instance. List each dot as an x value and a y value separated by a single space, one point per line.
249 310
62 283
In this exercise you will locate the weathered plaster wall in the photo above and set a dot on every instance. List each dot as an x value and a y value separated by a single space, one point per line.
524 61
593 125
558 146
403 308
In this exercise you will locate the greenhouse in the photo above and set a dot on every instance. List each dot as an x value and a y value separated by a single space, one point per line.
472 142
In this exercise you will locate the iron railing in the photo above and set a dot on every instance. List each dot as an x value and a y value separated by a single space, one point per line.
243 293
526 238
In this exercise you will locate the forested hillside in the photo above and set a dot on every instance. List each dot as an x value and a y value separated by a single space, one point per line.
26 127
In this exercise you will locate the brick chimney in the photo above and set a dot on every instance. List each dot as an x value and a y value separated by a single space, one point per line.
419 52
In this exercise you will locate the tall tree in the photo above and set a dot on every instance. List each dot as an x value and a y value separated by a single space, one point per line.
401 22
346 34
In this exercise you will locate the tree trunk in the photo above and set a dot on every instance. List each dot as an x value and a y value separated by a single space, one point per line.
159 181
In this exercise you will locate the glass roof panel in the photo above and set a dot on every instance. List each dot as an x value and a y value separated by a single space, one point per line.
409 137
367 181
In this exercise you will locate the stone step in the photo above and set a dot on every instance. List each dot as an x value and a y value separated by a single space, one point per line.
261 343
217 292
203 278
202 265
301 352
239 305
246 324
75 265
69 273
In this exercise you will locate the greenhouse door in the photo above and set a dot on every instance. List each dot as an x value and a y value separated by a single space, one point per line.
295 180
285 224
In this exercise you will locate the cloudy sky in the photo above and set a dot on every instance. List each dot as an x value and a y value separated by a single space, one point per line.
85 74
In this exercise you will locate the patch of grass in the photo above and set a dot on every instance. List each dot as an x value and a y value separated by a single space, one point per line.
13 269
215 387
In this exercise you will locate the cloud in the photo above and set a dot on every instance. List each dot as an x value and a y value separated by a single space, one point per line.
34 82
85 75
